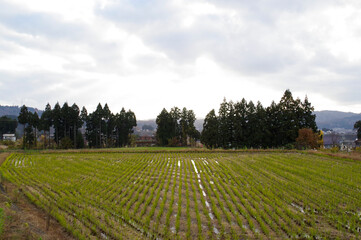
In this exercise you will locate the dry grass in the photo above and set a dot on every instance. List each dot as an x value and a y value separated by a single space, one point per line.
355 155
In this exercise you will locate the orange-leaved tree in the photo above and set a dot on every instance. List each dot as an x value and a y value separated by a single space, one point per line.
307 139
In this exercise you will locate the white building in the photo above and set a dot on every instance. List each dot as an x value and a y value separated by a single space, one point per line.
10 137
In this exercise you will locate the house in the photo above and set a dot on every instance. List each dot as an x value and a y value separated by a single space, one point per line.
358 143
331 140
345 141
144 141
9 137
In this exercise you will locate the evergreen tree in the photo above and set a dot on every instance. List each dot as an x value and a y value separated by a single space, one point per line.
240 123
75 122
289 121
175 114
261 132
223 125
35 121
246 125
357 126
165 127
57 121
107 115
252 125
23 119
210 132
46 121
308 119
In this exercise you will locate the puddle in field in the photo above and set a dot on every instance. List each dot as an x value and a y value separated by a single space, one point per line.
204 194
103 236
195 168
298 207
217 162
178 163
211 182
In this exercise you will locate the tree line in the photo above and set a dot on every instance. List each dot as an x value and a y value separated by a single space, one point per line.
102 127
247 125
176 127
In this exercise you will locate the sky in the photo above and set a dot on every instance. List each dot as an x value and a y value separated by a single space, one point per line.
146 55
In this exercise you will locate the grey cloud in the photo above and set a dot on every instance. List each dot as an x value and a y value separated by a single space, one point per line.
257 48
38 23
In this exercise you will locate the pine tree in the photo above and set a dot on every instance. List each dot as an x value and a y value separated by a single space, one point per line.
210 132
46 121
164 127
357 126
57 121
23 119
240 123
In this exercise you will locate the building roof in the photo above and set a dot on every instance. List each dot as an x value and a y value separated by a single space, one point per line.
9 135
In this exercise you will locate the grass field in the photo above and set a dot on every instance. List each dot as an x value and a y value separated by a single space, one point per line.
193 195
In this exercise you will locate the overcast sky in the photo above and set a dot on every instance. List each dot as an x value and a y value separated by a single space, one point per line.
146 55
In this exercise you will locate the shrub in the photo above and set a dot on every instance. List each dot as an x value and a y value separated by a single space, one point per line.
306 139
66 143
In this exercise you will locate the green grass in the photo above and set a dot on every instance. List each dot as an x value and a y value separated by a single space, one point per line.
157 192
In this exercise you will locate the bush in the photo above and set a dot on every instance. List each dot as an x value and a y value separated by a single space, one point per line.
306 139
66 143
335 149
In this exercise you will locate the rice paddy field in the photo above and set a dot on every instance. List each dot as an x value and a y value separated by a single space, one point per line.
193 195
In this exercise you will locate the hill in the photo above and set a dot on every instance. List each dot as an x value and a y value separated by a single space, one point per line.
336 119
15 110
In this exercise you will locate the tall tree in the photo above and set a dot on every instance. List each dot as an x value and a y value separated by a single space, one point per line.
357 126
46 121
35 121
210 132
223 125
57 121
188 132
308 119
240 123
261 129
107 115
289 121
23 119
164 127
175 114
75 122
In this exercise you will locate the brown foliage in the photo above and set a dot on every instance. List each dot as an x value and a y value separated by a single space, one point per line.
306 139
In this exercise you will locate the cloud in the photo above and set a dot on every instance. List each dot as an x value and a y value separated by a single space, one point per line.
268 39
147 55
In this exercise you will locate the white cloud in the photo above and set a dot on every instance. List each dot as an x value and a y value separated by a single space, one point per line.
152 54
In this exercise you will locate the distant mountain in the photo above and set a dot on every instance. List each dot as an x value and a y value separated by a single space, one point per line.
151 122
15 110
336 119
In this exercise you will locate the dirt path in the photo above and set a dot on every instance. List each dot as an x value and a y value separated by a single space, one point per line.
23 220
